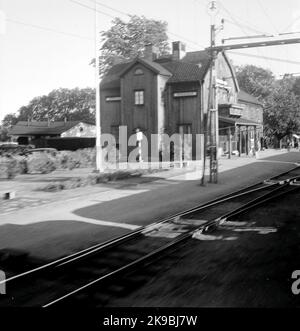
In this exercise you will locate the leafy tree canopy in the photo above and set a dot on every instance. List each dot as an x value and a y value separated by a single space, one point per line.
256 81
280 97
282 113
9 120
3 133
71 104
125 40
296 87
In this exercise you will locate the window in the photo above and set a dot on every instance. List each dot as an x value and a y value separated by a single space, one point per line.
138 72
185 129
139 97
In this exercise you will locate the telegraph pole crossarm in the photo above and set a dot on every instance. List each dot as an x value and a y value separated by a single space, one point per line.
255 44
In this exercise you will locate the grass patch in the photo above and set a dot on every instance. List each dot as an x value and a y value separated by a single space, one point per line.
94 179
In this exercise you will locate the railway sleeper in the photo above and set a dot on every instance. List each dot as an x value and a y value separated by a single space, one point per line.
295 182
274 182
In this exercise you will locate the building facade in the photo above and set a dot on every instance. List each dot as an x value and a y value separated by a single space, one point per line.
57 134
168 95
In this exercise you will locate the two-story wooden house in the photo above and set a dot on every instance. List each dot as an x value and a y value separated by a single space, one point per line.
166 95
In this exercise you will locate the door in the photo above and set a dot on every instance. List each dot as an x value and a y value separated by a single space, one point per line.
185 131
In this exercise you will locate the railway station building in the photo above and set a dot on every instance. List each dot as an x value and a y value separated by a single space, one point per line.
170 95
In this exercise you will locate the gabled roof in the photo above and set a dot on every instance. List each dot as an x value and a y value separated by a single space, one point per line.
184 72
246 97
192 67
153 66
112 77
197 57
42 127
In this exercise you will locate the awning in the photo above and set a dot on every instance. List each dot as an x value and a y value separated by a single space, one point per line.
238 121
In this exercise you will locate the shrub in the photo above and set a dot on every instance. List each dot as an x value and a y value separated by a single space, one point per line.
21 164
40 163
89 180
82 158
54 187
62 158
8 167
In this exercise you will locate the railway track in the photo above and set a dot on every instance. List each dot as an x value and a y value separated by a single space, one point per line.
73 279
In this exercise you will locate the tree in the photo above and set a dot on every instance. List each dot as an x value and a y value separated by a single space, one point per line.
296 87
9 120
124 41
282 111
281 100
4 133
71 104
255 80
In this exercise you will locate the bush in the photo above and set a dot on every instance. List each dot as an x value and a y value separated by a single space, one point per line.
40 163
90 180
82 158
21 164
8 167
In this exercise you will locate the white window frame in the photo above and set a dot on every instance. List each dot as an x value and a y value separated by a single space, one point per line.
139 97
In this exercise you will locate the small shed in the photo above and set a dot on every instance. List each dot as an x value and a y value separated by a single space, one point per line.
54 133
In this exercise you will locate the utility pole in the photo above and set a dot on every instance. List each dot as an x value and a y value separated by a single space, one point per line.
213 173
211 124
213 104
99 161
213 87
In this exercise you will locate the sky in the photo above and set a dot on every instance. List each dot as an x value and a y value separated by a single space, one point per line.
48 44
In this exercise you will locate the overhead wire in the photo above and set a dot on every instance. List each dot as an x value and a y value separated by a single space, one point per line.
265 57
129 15
267 15
241 28
273 26
70 34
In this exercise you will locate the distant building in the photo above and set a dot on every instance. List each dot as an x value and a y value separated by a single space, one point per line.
52 134
170 95
244 121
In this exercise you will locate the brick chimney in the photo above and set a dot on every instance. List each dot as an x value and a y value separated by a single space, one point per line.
178 50
150 52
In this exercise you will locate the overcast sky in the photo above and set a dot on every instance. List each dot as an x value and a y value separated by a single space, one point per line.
35 60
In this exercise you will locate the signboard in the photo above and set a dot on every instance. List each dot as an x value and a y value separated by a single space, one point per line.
221 82
235 111
185 94
113 99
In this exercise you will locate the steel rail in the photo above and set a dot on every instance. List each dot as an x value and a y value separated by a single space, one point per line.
141 231
204 227
267 199
120 239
